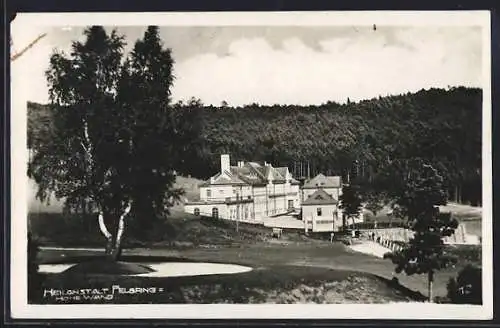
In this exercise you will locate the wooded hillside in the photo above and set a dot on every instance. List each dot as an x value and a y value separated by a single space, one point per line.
441 126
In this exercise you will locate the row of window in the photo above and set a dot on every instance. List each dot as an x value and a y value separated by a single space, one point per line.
319 212
221 191
234 212
209 192
215 212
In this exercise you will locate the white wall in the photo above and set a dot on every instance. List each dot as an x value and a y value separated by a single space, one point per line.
206 209
325 221
222 192
242 212
259 194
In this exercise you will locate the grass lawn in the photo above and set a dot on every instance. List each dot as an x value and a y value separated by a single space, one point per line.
278 270
269 281
293 269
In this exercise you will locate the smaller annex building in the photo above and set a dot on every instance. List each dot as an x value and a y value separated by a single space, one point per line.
320 212
330 184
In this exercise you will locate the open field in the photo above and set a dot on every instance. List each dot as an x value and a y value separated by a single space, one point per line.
296 268
207 240
264 284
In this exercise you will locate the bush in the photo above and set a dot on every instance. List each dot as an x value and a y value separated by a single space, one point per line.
467 288
34 278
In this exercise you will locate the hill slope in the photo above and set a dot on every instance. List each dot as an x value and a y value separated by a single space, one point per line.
443 126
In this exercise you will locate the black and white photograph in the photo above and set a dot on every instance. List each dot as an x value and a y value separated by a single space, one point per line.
320 164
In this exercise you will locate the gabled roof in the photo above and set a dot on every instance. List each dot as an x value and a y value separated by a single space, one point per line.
322 181
281 171
223 178
247 174
320 197
278 174
250 173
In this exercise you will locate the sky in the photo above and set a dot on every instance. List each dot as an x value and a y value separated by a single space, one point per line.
286 64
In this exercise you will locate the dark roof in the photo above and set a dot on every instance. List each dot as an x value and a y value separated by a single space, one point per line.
280 174
320 197
250 173
322 181
247 174
226 178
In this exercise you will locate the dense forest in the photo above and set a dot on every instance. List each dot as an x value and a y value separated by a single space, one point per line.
354 140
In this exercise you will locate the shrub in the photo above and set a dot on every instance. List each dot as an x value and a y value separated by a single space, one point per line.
467 288
34 278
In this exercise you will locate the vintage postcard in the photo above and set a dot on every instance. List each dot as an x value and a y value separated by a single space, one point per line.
251 165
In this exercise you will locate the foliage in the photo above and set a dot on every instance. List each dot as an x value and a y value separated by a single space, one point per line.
418 190
34 278
361 138
113 133
149 128
374 199
350 201
467 287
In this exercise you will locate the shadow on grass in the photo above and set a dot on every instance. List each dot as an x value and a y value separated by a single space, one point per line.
124 258
271 284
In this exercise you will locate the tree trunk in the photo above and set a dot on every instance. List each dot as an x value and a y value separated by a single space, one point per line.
105 232
117 246
430 281
460 194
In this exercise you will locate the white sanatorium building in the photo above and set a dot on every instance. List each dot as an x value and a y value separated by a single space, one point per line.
251 192
247 192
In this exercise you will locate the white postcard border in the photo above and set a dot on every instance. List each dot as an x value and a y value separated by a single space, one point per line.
20 309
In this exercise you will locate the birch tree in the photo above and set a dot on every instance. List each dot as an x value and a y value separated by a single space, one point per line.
104 147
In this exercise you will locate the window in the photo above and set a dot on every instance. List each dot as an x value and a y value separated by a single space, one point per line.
209 193
197 211
215 212
318 211
246 212
290 204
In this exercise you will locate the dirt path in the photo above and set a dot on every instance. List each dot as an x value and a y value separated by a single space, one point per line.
370 248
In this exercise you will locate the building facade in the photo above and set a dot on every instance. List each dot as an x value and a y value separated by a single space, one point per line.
320 198
247 192
332 185
320 212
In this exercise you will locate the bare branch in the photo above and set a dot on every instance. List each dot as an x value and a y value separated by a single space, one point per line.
83 146
20 53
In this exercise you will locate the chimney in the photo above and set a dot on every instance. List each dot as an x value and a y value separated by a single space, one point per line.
241 163
224 162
